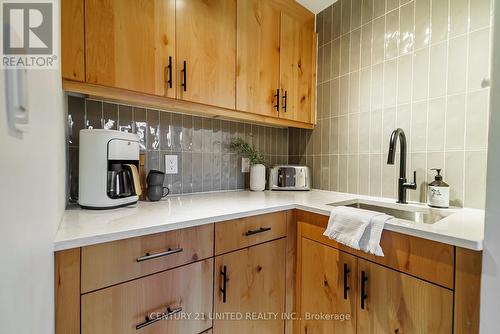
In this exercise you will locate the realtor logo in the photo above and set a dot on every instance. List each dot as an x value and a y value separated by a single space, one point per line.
28 34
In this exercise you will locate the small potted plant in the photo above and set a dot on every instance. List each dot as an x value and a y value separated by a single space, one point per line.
257 163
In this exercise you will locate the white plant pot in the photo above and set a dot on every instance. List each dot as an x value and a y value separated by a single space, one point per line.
257 177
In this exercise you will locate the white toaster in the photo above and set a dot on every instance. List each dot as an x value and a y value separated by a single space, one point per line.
289 177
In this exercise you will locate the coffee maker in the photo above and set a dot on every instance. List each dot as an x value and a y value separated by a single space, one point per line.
108 175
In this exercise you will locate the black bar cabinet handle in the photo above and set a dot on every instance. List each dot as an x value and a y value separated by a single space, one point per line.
346 283
149 321
277 96
284 102
184 76
260 230
224 283
364 278
148 256
169 68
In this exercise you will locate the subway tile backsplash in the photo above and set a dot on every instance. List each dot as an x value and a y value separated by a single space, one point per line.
422 65
205 160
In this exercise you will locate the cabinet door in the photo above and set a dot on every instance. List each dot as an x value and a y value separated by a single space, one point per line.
297 69
129 44
72 40
254 282
399 303
206 51
328 288
257 74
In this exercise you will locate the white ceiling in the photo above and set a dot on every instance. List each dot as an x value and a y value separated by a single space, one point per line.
316 6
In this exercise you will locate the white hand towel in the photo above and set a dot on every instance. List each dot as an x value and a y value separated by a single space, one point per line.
370 241
357 228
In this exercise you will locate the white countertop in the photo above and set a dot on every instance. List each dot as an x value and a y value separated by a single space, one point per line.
79 227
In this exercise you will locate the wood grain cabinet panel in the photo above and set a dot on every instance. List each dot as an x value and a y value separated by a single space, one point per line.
430 260
239 233
217 58
73 39
297 69
67 291
399 303
467 290
129 44
206 44
254 282
123 307
258 56
118 261
328 287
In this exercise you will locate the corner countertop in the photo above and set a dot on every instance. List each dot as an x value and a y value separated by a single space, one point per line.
79 227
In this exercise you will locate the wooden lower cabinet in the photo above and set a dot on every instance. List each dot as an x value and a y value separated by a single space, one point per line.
399 303
393 302
419 286
121 308
254 283
328 289
379 299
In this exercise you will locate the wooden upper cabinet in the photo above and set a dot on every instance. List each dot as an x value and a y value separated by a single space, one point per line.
328 287
297 69
129 44
258 56
217 58
206 44
72 39
399 303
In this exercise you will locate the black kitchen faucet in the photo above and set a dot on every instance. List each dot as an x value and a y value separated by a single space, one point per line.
403 184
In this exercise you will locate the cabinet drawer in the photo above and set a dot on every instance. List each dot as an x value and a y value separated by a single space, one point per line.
123 308
118 261
248 231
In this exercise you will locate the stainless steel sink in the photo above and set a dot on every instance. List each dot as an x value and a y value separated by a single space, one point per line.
419 215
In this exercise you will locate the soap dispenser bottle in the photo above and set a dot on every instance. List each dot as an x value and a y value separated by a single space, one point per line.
439 191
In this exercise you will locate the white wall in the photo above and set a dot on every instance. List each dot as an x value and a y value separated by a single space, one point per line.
32 200
490 284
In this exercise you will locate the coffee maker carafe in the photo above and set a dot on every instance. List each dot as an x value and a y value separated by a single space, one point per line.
108 176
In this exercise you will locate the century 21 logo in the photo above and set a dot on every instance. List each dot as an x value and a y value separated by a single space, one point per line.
27 28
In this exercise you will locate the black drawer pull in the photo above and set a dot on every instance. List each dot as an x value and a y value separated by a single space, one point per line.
149 321
363 294
148 256
224 283
184 76
284 102
260 230
169 69
277 96
346 277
